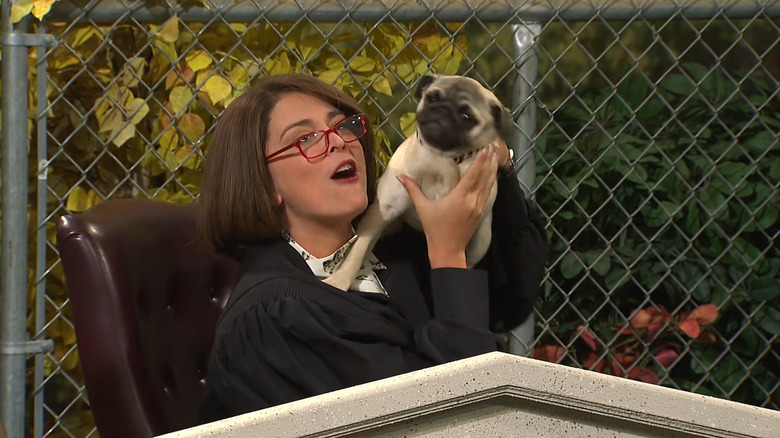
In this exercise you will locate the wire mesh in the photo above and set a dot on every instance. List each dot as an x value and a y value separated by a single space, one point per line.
655 149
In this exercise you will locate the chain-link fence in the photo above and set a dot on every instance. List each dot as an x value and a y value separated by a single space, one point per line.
649 131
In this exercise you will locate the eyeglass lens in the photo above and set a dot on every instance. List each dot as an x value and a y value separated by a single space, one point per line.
349 129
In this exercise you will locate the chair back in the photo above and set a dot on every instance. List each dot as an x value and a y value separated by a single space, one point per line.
146 295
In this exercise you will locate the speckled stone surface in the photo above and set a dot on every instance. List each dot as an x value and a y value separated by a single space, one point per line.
501 395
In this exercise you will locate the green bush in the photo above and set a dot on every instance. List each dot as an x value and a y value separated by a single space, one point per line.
668 196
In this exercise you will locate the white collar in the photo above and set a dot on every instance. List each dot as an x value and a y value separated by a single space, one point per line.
365 280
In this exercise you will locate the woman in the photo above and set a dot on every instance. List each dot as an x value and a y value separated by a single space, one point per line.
289 172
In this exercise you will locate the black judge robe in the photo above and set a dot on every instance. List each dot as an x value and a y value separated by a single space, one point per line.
285 335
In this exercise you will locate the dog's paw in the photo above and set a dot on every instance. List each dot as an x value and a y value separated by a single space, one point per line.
338 281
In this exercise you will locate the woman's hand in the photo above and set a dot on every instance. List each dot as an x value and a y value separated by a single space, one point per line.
450 222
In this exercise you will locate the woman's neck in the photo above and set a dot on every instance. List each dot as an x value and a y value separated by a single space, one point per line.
320 240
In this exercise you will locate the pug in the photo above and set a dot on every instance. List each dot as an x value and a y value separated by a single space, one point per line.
456 118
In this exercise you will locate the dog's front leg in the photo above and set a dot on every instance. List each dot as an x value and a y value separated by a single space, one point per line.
368 232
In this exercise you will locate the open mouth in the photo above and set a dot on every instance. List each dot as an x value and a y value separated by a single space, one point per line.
347 169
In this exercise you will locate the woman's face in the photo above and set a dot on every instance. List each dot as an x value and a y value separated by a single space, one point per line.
323 192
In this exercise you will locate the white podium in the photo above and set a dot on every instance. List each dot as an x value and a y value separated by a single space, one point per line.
501 395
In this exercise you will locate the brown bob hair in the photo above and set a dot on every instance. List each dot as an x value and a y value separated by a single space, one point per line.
235 202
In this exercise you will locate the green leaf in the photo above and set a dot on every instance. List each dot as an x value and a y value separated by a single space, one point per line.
765 289
774 170
728 372
678 84
697 71
768 318
767 219
682 169
734 172
602 265
760 143
570 265
616 278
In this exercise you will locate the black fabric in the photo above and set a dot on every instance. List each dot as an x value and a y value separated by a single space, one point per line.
286 335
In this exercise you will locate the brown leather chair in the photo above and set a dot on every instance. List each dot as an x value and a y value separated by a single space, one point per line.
146 296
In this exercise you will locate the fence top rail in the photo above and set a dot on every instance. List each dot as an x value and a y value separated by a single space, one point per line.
157 11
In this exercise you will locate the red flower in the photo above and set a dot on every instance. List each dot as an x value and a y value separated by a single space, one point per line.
641 319
549 353
666 357
690 327
587 335
591 361
643 374
704 315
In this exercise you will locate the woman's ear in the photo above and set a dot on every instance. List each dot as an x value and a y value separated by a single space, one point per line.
277 199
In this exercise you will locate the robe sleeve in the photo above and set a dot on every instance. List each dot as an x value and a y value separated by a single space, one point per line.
517 256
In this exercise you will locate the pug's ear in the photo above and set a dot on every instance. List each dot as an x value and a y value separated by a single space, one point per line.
423 84
503 121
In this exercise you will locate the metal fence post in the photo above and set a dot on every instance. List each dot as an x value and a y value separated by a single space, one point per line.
526 60
13 253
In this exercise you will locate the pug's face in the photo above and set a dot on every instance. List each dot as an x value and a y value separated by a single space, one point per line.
457 114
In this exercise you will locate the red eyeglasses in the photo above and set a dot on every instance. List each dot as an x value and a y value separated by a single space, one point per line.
312 146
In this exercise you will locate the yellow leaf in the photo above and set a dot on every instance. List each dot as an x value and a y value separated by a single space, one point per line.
70 362
167 50
82 36
217 88
362 64
192 126
198 60
186 158
447 65
168 140
420 67
62 62
171 79
170 160
93 198
20 9
397 42
310 45
405 71
125 134
169 31
179 98
382 85
112 120
238 76
408 123
104 74
335 64
161 195
67 333
41 8
102 109
77 200
435 44
279 65
137 109
329 76
134 70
